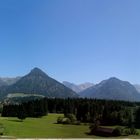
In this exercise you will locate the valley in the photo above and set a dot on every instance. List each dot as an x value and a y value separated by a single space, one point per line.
43 107
69 69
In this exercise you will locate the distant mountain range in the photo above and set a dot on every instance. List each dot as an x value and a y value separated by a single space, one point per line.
8 81
37 82
78 88
137 86
113 89
2 83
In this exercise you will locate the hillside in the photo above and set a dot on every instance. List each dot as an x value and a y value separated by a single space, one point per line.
137 86
2 83
112 88
38 82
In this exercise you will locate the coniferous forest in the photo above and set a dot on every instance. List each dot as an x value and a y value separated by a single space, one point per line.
85 110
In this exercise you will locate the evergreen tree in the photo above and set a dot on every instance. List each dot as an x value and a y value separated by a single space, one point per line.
137 118
21 114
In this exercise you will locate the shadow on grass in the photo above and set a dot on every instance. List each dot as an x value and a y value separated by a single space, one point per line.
88 133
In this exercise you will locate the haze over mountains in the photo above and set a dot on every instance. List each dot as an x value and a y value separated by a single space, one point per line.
78 88
39 83
8 81
2 83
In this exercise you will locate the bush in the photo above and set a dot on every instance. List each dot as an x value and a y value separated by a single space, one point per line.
66 121
72 117
118 131
59 119
127 132
131 131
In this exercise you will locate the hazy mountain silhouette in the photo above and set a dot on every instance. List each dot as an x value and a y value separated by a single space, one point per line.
112 88
78 88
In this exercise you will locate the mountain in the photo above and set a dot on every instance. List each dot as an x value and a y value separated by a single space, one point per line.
85 85
112 88
72 86
38 82
2 83
10 81
137 86
77 88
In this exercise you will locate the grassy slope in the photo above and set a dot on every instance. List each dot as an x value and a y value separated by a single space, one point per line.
45 127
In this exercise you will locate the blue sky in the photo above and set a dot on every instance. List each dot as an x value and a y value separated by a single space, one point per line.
71 40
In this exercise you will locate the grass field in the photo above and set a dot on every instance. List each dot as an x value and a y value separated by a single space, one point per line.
45 127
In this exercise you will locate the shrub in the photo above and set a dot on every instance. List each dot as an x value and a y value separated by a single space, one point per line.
127 132
133 131
59 119
118 131
66 121
72 117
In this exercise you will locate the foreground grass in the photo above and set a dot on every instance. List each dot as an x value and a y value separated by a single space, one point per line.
45 127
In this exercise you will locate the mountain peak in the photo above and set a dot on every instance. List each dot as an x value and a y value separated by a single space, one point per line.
37 82
37 71
114 79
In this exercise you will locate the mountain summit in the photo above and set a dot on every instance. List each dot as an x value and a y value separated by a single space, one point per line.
36 71
112 88
38 82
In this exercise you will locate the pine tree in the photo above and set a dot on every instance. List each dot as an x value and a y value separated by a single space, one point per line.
21 113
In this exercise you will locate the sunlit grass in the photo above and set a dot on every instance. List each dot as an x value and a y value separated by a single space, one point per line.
45 127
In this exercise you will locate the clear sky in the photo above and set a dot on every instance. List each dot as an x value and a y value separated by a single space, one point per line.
71 40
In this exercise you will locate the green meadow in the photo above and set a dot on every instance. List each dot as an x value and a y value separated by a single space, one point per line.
45 127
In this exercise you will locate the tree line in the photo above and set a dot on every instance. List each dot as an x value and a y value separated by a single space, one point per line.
34 108
86 110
